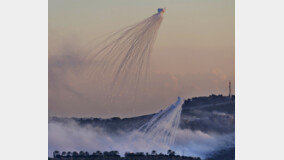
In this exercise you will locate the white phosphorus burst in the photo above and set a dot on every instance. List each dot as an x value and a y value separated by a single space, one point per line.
162 127
123 56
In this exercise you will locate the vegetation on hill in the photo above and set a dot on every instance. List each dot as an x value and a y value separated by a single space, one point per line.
114 155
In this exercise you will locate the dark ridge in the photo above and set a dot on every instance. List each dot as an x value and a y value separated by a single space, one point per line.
215 113
114 155
228 154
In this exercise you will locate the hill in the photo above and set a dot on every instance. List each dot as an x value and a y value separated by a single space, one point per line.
214 113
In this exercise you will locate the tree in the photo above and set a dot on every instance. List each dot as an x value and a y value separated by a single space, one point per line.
114 154
82 154
126 154
69 154
56 154
75 154
171 153
87 154
154 153
140 154
161 154
63 154
97 154
106 154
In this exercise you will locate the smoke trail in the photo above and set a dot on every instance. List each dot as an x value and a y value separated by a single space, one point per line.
162 127
123 57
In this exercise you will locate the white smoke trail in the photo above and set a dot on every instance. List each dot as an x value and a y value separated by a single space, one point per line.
123 57
162 127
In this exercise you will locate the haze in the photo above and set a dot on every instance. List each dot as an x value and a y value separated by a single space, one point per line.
193 55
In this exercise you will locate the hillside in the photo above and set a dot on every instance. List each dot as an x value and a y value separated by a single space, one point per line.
208 114
212 116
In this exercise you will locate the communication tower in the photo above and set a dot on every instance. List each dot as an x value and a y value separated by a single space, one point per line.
230 92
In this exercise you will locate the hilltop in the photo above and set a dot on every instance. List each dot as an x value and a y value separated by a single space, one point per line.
214 113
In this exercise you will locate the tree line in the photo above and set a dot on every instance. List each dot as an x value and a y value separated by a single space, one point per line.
114 155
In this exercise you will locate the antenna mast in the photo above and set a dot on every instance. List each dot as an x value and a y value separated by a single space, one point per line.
230 90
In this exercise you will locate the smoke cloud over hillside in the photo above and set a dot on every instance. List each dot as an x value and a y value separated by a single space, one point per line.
73 137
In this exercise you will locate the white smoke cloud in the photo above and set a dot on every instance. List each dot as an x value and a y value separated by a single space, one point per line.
72 137
197 143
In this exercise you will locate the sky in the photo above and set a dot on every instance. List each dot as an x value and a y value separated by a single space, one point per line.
194 53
